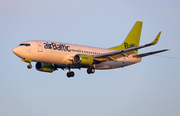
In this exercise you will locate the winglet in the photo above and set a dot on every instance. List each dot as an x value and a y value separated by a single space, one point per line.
156 39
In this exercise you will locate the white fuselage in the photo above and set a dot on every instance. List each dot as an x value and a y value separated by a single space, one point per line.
62 54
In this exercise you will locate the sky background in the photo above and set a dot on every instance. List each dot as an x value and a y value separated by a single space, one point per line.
149 88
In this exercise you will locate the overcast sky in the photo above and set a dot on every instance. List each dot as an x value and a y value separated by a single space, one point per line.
149 88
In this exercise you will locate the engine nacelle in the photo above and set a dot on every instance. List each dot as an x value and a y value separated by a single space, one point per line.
45 67
83 59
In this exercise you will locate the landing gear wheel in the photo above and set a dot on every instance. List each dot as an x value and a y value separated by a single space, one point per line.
70 74
29 66
90 70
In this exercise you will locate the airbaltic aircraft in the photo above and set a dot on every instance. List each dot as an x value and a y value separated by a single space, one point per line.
53 55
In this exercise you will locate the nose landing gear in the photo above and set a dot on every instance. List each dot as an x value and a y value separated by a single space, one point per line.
28 61
29 66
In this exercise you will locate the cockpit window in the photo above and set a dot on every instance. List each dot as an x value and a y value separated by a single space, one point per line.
24 44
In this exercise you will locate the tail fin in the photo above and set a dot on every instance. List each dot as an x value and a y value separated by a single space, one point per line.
132 39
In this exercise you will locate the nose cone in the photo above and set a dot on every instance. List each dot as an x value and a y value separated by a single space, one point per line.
17 51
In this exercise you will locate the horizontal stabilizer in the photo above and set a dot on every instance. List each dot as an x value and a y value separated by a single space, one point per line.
149 53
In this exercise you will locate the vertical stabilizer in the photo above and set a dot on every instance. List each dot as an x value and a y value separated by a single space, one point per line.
132 39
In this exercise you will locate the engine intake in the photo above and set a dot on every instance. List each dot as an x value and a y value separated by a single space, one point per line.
45 67
83 59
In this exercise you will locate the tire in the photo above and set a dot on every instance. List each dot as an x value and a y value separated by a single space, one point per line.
89 71
72 74
68 74
29 66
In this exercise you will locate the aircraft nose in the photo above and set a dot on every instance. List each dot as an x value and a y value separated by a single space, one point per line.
15 50
19 51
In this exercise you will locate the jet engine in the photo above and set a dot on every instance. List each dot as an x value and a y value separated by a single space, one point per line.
45 67
83 59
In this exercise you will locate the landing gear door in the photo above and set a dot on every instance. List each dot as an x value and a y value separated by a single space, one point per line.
40 46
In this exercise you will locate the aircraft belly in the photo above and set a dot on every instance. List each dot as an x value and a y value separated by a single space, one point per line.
110 65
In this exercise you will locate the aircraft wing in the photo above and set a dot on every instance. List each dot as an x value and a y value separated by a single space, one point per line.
121 53
149 53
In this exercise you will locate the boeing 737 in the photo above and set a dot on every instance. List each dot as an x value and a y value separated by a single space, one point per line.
49 55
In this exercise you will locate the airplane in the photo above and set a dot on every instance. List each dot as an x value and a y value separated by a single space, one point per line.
50 55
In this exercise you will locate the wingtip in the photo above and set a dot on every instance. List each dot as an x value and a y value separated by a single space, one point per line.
156 39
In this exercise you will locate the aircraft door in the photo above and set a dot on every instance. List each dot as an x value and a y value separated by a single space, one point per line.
40 46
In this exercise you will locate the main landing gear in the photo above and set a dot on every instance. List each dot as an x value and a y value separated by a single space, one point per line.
90 70
70 73
29 66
